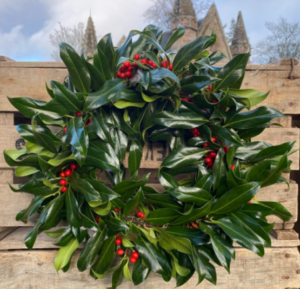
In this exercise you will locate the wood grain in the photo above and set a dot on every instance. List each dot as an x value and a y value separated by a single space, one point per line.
11 203
278 269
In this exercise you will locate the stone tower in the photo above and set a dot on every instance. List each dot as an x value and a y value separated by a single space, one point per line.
240 42
184 14
90 38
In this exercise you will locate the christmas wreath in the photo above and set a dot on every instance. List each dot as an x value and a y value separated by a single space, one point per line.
120 102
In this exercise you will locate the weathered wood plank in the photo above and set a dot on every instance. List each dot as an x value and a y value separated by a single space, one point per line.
6 118
28 79
285 235
280 268
14 240
11 203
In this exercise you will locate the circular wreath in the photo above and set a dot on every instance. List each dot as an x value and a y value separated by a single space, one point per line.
128 97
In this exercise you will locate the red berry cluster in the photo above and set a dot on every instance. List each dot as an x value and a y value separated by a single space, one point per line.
186 99
65 174
148 62
165 64
140 215
125 70
195 132
117 210
134 257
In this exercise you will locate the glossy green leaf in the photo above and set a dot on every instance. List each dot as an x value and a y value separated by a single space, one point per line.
177 34
277 210
132 205
90 250
139 272
84 187
219 169
72 209
135 157
32 208
161 217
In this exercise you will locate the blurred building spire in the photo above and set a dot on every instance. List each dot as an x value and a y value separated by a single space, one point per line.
240 42
90 38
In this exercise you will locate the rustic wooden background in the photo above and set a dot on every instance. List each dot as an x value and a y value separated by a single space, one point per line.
21 268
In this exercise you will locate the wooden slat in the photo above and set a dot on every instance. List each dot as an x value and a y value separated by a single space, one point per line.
285 235
28 79
14 240
279 268
11 203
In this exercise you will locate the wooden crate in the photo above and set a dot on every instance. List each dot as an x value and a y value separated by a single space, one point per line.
21 268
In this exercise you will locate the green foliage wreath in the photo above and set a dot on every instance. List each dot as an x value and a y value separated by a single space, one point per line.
128 97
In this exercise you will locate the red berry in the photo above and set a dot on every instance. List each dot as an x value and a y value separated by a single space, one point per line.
118 241
123 75
137 57
73 166
144 61
154 65
130 68
120 252
78 113
132 260
214 101
89 122
213 139
226 149
139 214
164 64
126 64
97 219
62 175
118 73
128 74
212 155
232 167
143 216
62 182
196 225
135 255
117 210
171 67
249 202
65 129
208 160
209 88
191 227
122 68
64 189
206 144
150 62
68 173
117 235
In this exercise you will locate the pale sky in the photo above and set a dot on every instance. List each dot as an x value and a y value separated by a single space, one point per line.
25 25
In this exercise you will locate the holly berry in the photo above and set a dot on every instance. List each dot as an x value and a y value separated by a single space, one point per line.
122 68
118 241
117 235
137 57
130 68
135 255
226 149
73 166
65 129
97 219
143 216
212 155
214 101
126 64
144 61
249 202
118 73
132 260
206 144
62 182
135 64
213 139
164 64
171 67
208 160
120 252
68 173
196 225
78 113
232 167
150 62
139 214
62 175
191 227
209 88
117 210
123 75
128 74
64 189
154 65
